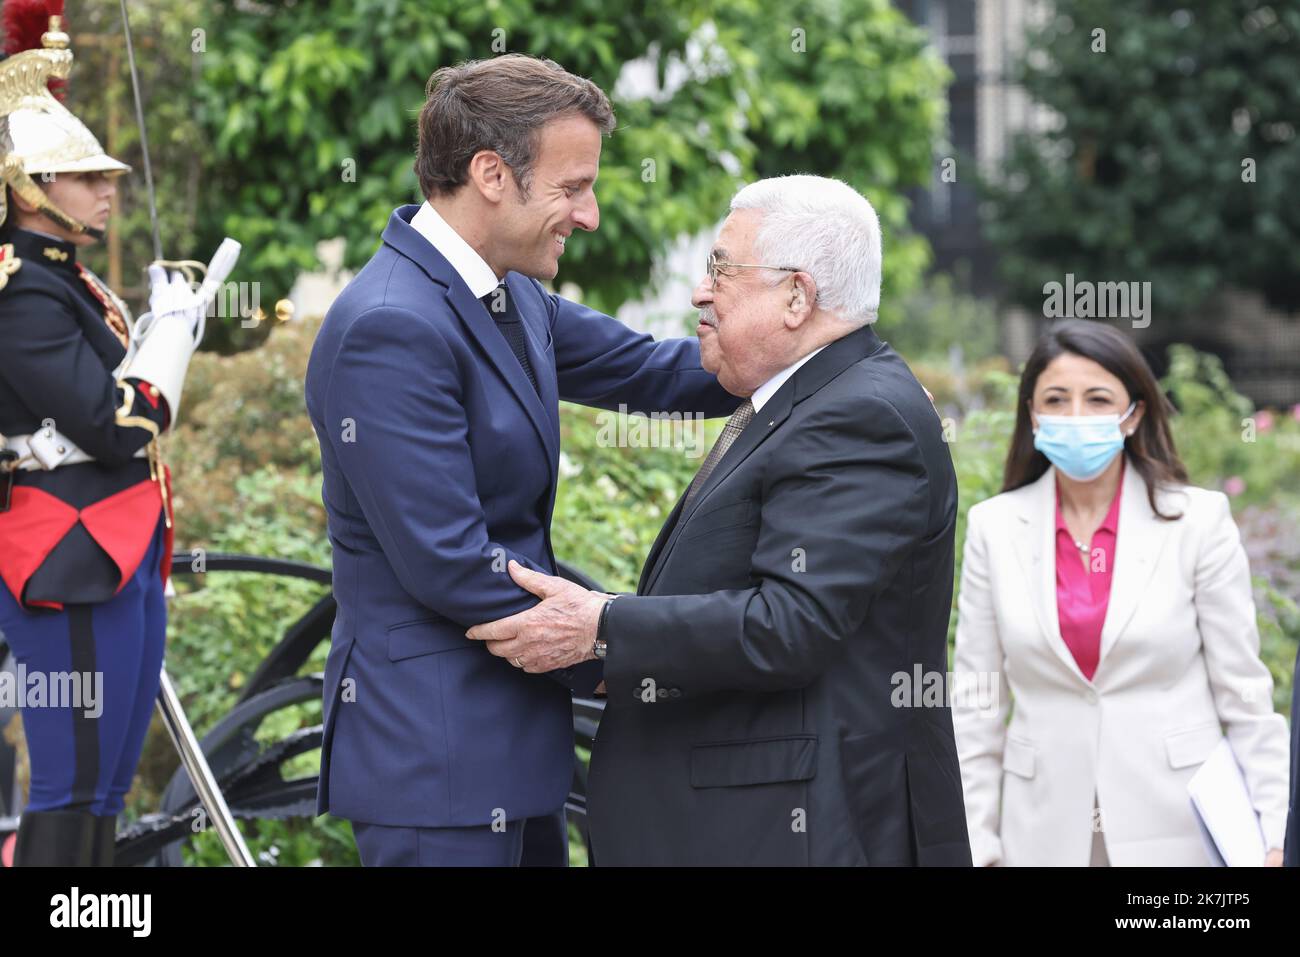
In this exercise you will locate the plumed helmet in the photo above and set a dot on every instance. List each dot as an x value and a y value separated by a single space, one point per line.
38 134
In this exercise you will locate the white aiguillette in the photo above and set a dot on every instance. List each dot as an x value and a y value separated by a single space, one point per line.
1223 808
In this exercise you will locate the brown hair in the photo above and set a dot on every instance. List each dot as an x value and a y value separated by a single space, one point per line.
498 104
1150 448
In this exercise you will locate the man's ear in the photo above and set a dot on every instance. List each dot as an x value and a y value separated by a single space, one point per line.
489 174
800 300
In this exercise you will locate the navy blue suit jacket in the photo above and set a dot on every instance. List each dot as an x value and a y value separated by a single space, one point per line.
440 463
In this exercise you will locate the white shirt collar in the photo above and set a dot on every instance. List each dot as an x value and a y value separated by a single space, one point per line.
768 388
471 267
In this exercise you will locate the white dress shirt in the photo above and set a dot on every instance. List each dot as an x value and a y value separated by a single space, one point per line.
768 388
471 267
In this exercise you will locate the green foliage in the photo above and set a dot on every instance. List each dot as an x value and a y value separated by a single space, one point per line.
324 841
1141 178
100 95
1279 636
297 96
1224 442
848 89
1254 456
613 500
935 318
979 444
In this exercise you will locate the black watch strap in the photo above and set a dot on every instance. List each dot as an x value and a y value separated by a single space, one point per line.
604 618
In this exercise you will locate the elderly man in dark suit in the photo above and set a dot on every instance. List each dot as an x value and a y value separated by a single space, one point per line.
758 710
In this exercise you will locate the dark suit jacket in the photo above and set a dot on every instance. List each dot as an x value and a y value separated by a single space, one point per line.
752 681
1291 854
440 463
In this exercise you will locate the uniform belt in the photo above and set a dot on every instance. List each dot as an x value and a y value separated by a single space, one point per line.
48 449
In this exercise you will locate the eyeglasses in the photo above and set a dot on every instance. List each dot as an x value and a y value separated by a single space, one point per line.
716 266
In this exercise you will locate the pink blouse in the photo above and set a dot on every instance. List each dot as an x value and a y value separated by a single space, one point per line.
1082 595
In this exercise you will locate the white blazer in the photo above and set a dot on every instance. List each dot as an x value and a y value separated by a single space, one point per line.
1179 665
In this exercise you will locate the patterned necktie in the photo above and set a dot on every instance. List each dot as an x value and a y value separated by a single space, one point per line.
735 425
502 310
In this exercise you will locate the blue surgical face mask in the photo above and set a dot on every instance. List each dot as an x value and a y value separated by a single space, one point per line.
1081 446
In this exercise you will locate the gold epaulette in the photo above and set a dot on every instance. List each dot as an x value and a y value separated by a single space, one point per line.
9 263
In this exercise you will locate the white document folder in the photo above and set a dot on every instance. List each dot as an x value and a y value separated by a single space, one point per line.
1223 808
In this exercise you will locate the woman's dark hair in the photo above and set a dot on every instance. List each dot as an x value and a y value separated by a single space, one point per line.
1150 447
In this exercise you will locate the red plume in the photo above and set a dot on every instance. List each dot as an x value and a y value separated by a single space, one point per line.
24 21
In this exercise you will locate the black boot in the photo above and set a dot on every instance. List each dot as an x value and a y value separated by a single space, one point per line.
105 841
55 839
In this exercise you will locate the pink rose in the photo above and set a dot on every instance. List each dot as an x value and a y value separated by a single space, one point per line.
1263 420
1235 485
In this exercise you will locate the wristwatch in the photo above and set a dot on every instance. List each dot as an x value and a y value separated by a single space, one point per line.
600 647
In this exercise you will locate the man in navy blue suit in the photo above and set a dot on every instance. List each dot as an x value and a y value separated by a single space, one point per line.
433 389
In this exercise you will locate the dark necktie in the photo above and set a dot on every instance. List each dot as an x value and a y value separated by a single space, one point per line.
730 432
502 309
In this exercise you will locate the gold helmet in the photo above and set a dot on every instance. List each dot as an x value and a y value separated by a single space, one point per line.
38 135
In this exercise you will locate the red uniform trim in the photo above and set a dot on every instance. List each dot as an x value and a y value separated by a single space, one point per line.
169 536
122 524
35 523
144 393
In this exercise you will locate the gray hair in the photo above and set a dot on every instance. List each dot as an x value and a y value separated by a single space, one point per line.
827 229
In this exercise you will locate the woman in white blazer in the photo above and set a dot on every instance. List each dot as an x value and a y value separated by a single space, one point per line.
1109 603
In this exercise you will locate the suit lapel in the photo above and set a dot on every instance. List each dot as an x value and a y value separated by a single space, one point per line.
650 569
482 329
775 411
535 326
809 378
1139 539
1036 553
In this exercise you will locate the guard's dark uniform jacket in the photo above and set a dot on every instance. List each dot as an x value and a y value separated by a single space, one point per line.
77 533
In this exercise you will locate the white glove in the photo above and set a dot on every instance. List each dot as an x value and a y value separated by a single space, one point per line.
173 295
166 337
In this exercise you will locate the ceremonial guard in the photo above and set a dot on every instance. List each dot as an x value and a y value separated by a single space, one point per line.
85 512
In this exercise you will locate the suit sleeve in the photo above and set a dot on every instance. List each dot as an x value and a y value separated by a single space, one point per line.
396 421
852 494
980 732
601 362
1240 681
46 359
